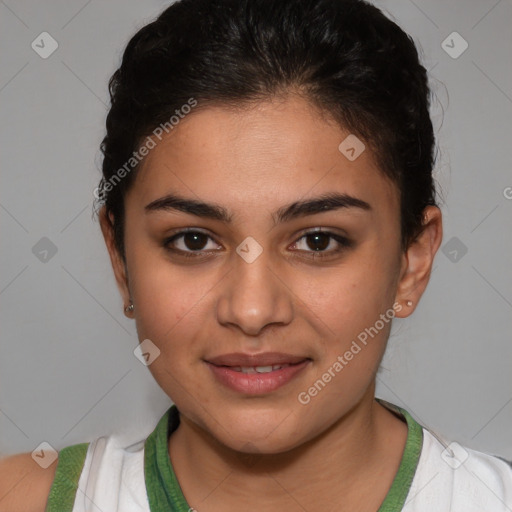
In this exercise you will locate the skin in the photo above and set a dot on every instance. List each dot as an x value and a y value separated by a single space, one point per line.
270 451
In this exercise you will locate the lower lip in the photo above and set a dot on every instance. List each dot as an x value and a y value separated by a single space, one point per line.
256 383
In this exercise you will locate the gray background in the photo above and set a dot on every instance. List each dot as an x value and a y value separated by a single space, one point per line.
67 369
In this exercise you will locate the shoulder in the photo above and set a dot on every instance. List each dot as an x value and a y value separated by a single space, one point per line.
107 472
24 484
466 479
96 467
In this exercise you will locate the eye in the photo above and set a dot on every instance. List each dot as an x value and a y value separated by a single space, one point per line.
188 242
319 242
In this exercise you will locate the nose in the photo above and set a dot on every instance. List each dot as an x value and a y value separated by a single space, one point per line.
254 295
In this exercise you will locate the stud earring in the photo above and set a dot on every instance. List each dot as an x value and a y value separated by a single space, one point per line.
130 308
408 303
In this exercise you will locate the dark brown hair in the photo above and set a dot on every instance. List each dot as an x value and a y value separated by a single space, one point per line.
346 57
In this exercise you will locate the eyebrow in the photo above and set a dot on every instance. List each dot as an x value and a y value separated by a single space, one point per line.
320 204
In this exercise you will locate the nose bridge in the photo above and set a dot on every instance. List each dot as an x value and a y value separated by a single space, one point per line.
254 297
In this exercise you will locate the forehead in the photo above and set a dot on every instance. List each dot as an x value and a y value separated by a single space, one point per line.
262 154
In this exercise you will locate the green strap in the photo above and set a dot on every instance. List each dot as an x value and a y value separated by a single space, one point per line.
65 483
397 494
164 491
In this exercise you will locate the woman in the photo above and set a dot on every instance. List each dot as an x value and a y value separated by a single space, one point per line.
242 133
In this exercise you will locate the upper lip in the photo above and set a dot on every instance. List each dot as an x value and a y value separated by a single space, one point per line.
263 359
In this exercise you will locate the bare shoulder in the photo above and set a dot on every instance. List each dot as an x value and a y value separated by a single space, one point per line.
24 485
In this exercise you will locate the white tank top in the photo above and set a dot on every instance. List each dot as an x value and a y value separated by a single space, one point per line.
105 475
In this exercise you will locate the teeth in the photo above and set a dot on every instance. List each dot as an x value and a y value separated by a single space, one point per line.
258 369
263 369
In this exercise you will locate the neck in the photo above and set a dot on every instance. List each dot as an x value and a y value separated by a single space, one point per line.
364 445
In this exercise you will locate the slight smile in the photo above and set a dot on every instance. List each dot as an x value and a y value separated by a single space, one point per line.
256 374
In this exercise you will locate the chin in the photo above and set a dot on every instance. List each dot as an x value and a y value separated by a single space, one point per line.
261 446
251 432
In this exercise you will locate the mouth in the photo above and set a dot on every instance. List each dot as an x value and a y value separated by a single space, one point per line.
261 377
258 369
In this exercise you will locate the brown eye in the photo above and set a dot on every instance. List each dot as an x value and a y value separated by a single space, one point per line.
188 242
318 243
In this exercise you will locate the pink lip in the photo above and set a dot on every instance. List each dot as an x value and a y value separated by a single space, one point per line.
257 383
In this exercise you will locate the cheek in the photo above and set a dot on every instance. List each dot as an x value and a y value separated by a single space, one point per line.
167 310
172 303
169 314
160 297
351 301
353 295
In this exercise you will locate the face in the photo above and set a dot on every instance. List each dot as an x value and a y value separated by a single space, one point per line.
260 274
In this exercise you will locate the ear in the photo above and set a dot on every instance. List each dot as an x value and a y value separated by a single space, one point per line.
417 261
118 264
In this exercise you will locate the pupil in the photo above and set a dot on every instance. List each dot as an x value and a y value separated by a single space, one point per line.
193 241
316 238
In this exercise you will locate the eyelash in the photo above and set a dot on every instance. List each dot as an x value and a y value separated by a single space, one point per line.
344 242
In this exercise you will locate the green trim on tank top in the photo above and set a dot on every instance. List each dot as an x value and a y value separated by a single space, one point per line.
397 494
65 483
164 491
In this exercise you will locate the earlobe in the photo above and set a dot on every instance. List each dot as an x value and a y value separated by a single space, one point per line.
118 264
417 261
